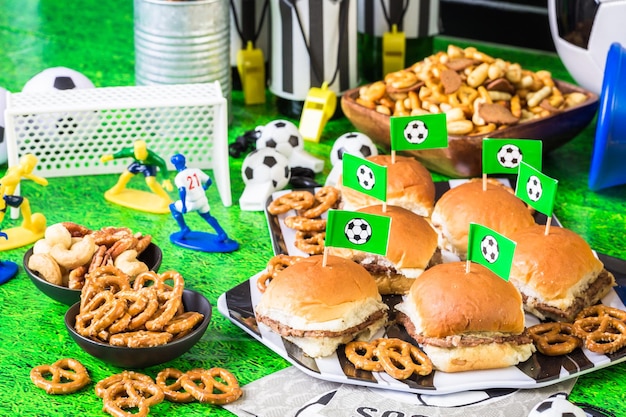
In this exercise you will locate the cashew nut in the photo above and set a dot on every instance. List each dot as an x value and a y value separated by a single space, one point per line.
46 267
127 262
57 234
78 254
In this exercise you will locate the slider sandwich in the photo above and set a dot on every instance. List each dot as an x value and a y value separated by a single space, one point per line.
411 249
466 321
557 274
409 185
496 208
321 307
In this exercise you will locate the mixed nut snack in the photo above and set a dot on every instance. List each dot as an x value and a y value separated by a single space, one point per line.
478 93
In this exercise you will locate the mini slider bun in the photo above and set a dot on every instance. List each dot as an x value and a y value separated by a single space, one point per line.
409 185
496 208
412 248
321 307
557 274
466 321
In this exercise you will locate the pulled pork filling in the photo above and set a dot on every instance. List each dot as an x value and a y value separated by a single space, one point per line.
461 340
285 330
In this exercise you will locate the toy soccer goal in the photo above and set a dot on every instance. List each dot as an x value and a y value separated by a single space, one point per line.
69 130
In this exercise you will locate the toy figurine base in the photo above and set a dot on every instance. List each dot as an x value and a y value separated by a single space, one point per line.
8 270
139 200
21 236
204 242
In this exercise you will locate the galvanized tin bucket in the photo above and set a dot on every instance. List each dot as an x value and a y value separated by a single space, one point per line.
182 42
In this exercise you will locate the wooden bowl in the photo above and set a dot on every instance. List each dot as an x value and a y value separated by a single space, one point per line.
463 156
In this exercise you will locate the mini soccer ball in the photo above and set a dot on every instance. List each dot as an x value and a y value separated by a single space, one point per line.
266 165
353 143
556 406
358 231
534 188
365 176
416 132
489 248
281 135
509 156
57 78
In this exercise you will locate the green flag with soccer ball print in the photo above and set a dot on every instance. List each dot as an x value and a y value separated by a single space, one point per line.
536 189
491 249
364 176
503 156
361 231
424 131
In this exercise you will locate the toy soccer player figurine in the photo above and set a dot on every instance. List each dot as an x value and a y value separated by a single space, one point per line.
147 163
192 184
8 269
33 224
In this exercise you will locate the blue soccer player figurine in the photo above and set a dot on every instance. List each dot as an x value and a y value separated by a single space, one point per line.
192 184
8 269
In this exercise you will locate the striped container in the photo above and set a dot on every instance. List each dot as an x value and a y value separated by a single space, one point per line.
182 42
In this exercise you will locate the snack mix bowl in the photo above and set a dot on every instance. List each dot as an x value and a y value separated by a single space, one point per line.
143 357
151 256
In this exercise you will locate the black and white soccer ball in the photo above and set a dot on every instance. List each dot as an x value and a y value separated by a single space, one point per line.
534 189
509 156
353 143
556 406
281 135
266 165
3 142
358 231
416 132
57 78
365 176
489 248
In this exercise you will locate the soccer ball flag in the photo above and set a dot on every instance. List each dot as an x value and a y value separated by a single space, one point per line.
424 131
503 156
490 249
365 176
536 189
361 231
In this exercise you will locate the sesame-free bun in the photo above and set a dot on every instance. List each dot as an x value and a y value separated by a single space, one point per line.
409 185
319 307
496 208
412 244
557 271
450 301
466 320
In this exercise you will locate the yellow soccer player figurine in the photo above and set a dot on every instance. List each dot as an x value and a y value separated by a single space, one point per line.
145 162
33 224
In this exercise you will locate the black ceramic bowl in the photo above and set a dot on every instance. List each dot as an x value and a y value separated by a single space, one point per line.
135 358
151 256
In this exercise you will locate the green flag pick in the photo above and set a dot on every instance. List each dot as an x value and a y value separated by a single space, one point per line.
365 176
424 131
491 249
536 189
361 231
503 156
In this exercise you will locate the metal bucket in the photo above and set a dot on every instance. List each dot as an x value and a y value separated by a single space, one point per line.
182 42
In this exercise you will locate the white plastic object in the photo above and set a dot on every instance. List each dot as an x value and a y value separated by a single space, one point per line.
264 171
69 130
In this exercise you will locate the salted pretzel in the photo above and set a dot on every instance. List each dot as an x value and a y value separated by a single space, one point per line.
401 359
104 384
602 328
294 200
65 376
140 339
173 390
305 224
325 198
310 242
213 386
554 338
129 393
362 356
